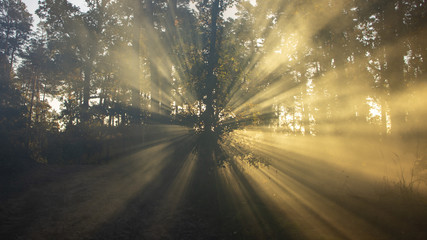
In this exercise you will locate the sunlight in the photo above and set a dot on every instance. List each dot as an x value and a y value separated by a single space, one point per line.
304 178
214 119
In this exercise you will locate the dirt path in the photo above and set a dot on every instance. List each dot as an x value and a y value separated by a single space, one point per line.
170 190
165 190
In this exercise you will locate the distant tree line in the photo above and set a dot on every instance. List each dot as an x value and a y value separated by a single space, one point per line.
297 67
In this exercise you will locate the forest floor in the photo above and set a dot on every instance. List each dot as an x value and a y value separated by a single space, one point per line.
171 190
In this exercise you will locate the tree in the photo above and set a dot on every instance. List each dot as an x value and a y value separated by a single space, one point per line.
15 25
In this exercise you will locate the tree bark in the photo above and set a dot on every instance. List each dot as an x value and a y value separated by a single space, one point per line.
393 29
154 72
135 118
209 118
86 94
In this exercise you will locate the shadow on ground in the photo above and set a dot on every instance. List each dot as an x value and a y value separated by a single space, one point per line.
174 188
170 189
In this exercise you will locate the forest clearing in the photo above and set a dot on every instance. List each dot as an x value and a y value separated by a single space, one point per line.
213 119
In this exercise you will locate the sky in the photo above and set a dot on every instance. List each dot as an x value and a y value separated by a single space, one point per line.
32 5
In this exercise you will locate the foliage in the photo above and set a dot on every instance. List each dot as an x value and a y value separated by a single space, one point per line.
127 63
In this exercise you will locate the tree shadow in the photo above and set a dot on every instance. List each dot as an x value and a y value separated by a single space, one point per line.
256 219
207 208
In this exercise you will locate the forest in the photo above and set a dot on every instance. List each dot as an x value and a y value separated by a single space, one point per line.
213 119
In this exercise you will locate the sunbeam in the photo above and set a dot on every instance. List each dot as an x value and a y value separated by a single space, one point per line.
213 119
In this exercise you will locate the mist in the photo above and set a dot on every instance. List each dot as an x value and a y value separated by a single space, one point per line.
214 119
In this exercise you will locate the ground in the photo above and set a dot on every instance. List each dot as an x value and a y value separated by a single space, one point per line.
172 189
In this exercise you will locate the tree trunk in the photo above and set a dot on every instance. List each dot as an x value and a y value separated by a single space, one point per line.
209 115
30 113
153 57
135 117
37 83
86 94
6 52
393 28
